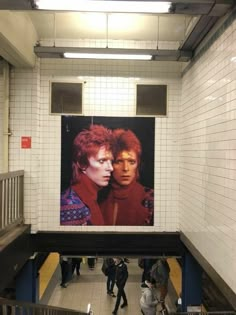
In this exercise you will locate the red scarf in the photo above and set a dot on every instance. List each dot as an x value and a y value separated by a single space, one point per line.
87 191
123 205
122 192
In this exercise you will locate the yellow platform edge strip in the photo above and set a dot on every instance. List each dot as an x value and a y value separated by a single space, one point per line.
46 272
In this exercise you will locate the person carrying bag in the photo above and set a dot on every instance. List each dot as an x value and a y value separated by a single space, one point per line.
148 301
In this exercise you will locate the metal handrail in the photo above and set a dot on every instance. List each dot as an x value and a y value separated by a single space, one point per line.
20 307
15 307
11 199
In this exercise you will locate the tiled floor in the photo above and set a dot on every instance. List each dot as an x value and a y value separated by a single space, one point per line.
90 287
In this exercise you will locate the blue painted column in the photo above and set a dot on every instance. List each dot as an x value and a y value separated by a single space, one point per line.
191 282
27 282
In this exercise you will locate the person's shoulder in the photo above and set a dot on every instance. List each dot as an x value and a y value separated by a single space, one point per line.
72 210
148 197
67 193
149 191
124 266
145 290
143 285
69 196
111 262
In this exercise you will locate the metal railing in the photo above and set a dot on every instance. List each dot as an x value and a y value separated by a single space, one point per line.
11 199
12 307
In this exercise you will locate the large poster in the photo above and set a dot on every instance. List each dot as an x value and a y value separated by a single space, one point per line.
107 171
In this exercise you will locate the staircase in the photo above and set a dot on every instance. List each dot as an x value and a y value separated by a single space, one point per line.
12 307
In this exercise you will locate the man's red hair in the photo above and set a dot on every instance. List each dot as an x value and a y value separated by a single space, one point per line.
126 140
86 144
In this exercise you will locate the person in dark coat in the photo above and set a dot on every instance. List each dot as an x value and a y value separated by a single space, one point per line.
109 269
65 270
76 262
121 278
91 260
146 264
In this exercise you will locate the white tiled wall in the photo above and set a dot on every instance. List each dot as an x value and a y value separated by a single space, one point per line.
109 91
24 121
208 155
197 139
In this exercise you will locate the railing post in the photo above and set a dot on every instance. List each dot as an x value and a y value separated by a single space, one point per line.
11 199
21 197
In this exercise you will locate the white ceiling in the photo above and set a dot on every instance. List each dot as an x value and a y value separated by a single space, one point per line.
181 30
112 26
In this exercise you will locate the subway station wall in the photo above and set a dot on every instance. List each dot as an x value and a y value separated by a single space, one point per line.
109 91
195 148
208 155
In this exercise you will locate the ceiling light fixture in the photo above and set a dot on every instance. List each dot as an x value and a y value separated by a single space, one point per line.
107 56
104 6
112 53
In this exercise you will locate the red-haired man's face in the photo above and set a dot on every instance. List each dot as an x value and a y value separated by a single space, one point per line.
125 167
100 167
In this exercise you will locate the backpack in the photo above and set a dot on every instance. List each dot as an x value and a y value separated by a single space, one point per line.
166 265
106 265
141 263
160 271
154 272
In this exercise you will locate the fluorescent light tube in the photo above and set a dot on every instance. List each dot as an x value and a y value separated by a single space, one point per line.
107 56
104 6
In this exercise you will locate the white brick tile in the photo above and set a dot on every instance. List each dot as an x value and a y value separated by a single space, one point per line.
208 159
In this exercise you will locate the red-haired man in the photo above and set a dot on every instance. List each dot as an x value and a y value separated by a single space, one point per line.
128 202
91 167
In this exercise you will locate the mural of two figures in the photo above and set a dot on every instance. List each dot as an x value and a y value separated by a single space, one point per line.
107 171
